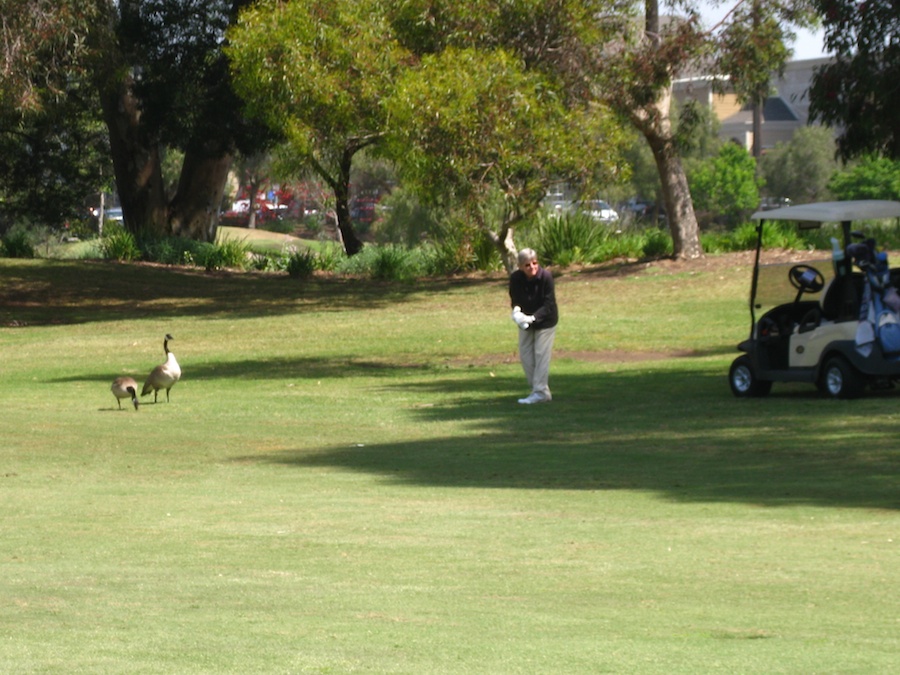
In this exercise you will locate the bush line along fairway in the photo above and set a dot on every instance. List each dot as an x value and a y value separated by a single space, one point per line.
343 482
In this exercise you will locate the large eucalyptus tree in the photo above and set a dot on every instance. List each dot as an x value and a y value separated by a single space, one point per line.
164 82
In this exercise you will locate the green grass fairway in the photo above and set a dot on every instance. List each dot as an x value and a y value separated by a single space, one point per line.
263 240
343 482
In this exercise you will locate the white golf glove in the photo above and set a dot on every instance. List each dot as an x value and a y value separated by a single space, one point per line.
521 319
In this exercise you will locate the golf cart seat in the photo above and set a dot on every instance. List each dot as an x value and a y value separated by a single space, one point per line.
841 299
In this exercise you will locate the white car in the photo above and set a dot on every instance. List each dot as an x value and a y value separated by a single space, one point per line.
600 210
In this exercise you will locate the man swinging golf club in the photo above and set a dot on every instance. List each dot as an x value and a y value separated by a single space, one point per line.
533 300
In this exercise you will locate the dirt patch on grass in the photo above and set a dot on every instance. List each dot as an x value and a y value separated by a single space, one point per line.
599 356
620 356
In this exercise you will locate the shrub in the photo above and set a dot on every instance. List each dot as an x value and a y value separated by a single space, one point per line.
726 185
83 228
229 253
619 244
274 262
657 243
872 177
385 263
301 264
169 250
742 238
119 244
329 257
16 243
775 235
485 254
448 255
716 242
568 238
393 263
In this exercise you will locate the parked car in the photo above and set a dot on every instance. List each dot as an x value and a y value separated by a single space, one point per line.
644 210
599 210
638 207
114 214
557 203
831 323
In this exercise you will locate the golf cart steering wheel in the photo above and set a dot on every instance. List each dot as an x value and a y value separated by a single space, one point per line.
806 279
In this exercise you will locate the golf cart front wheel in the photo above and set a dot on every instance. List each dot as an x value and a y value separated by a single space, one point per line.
840 379
743 380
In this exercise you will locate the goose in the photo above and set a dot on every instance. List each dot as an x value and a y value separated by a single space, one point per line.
165 375
125 387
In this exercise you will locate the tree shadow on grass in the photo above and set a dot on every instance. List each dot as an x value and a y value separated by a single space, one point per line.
67 292
677 433
311 368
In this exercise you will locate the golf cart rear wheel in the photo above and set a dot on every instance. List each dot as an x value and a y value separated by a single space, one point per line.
743 380
840 379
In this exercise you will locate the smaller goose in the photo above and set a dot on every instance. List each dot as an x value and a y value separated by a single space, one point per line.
165 375
125 387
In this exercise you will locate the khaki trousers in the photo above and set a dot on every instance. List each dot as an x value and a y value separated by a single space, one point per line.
535 348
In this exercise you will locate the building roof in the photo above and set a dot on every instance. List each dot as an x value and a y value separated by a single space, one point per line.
775 109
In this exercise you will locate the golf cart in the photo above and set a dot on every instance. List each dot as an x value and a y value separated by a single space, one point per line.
833 323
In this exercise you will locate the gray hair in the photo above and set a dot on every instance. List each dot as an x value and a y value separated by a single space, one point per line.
526 255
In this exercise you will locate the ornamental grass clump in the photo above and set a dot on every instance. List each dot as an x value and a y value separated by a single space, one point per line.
120 244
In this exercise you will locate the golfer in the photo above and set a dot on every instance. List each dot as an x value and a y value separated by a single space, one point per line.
533 300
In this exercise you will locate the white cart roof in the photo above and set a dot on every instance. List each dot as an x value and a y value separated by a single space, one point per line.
826 212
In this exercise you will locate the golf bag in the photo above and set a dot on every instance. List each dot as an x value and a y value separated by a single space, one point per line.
880 302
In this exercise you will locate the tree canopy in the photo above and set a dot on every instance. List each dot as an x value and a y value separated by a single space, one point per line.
726 186
800 169
500 103
53 151
465 113
467 123
318 73
43 44
872 177
477 97
857 91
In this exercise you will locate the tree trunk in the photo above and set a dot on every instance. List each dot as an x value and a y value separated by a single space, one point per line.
194 211
656 126
505 244
252 202
136 162
340 186
679 206
654 122
352 244
757 130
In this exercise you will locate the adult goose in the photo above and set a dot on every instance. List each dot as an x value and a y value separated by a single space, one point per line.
125 387
165 375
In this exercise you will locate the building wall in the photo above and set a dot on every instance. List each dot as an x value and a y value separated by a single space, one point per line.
736 124
793 87
725 105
